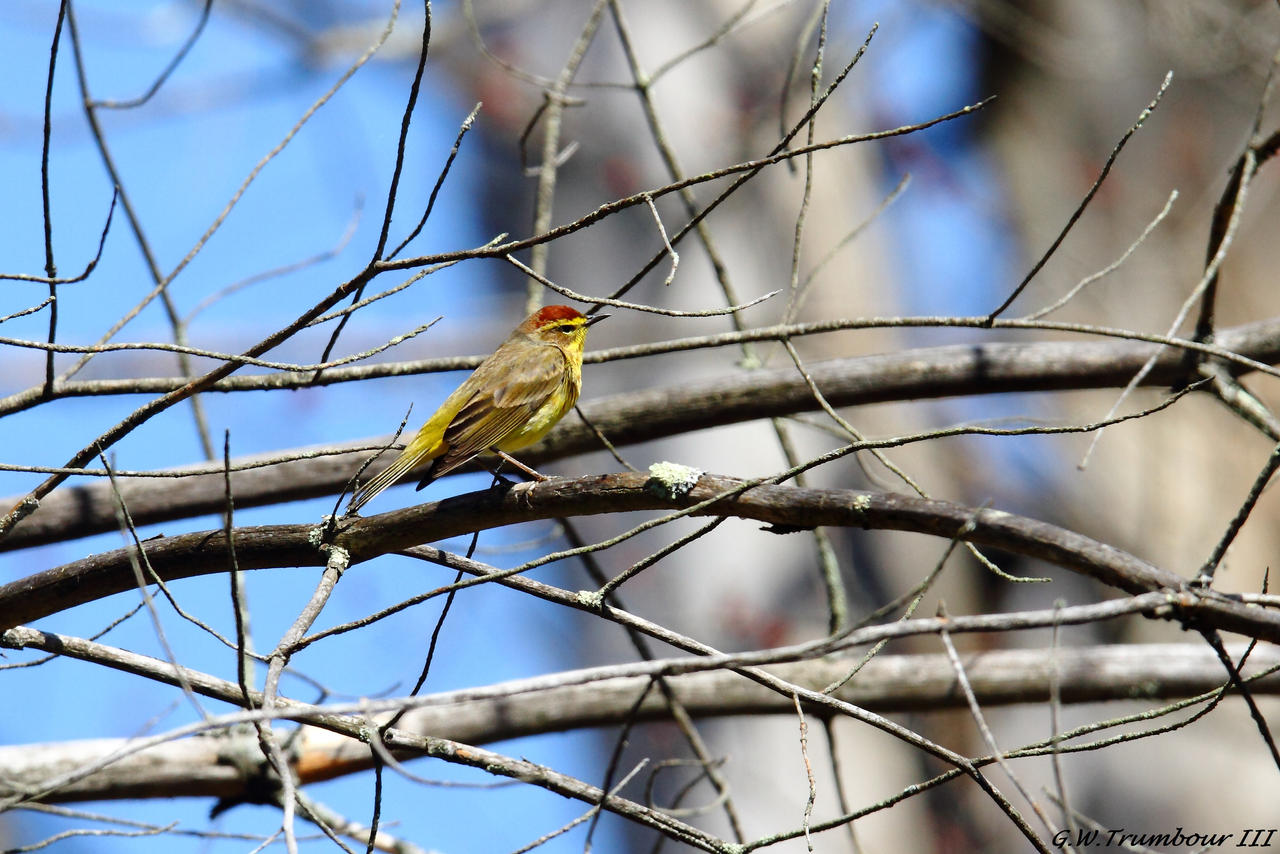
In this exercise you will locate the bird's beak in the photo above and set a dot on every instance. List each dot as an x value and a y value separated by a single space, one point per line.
596 318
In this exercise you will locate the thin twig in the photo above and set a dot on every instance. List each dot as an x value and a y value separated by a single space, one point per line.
808 772
1205 576
168 69
975 711
1084 203
633 306
548 168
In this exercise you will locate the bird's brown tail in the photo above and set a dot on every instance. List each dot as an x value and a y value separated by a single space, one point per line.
381 481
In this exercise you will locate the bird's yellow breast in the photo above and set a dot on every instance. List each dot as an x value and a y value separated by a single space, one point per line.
545 416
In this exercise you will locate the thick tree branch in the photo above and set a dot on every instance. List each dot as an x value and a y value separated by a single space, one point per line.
224 767
786 507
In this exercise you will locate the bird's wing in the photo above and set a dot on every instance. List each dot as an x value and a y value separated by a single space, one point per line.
499 407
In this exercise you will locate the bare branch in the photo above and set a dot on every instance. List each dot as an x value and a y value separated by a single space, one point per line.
188 555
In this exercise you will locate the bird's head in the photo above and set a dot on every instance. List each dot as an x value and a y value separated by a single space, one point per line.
560 325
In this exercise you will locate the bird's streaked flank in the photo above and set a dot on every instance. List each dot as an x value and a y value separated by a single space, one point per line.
511 401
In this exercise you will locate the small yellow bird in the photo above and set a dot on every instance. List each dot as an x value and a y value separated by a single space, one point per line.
511 401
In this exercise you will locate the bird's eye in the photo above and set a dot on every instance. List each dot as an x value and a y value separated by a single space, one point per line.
566 328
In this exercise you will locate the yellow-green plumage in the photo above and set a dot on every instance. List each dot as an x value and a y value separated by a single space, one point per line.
511 401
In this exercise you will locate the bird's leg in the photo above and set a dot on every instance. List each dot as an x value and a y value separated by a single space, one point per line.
524 468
